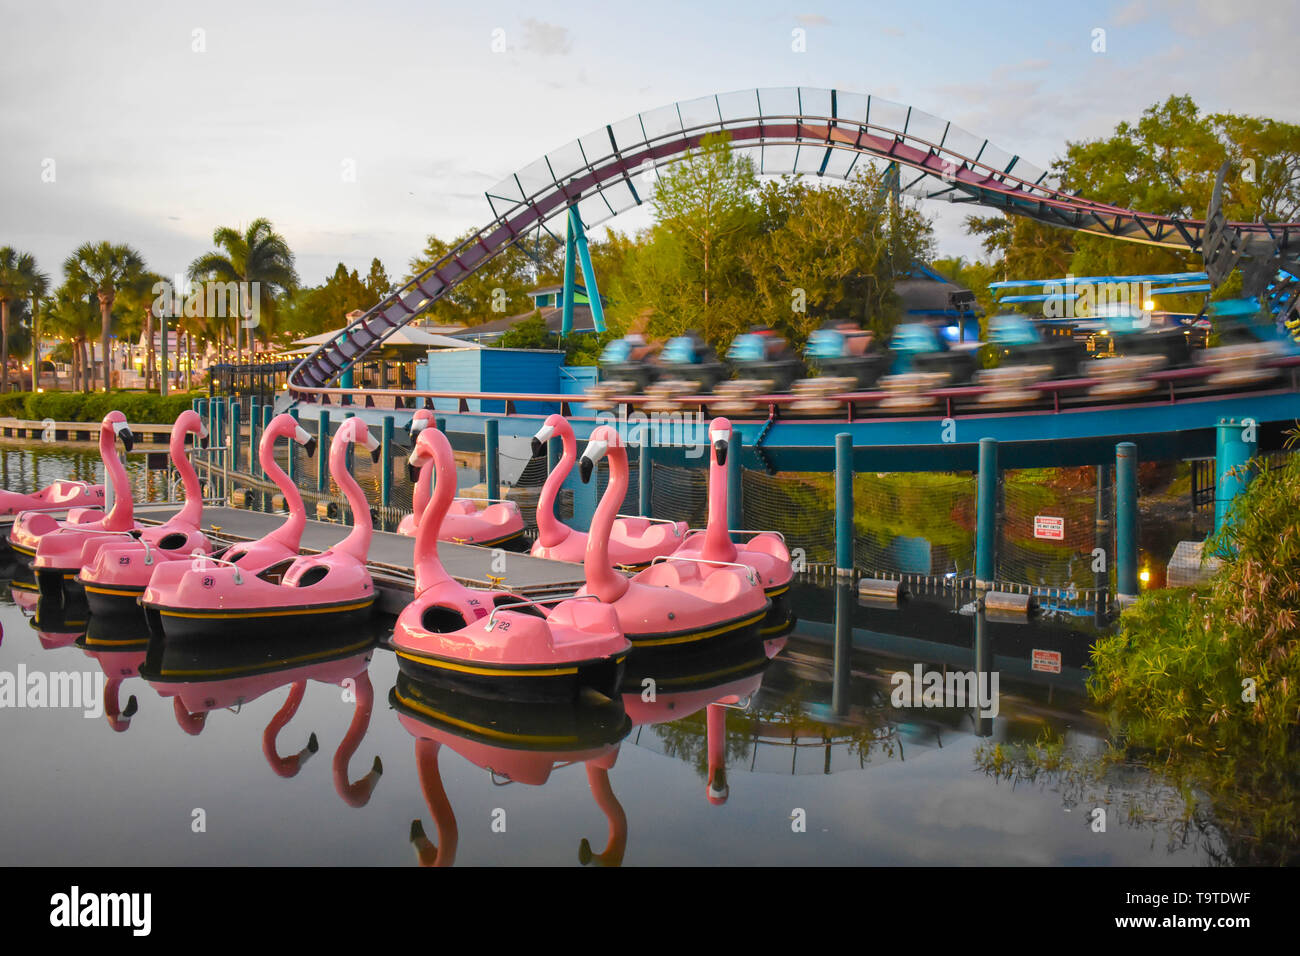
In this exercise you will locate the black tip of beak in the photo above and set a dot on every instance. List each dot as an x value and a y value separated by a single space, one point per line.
585 469
131 707
203 441
413 472
720 449
428 404
375 452
128 440
538 447
310 447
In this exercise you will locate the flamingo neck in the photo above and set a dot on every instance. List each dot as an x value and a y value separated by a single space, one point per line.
356 794
718 545
598 780
283 766
550 529
429 571
192 513
122 515
435 795
601 579
288 534
357 543
423 492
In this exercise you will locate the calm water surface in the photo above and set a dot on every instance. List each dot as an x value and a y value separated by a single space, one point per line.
495 784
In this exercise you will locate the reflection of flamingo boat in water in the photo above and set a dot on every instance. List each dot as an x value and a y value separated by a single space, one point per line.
518 742
201 679
713 681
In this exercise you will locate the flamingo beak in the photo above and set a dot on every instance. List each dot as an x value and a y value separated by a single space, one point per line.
415 426
372 445
541 438
302 438
203 435
594 453
720 438
124 432
428 404
413 465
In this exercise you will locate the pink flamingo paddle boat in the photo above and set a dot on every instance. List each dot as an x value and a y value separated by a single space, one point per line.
633 541
115 572
498 523
209 596
283 543
55 496
499 642
678 600
765 552
31 527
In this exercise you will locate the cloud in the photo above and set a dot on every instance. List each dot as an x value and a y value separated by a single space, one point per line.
547 39
813 20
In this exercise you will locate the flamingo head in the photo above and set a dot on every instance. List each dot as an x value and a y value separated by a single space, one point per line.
355 430
550 428
601 441
720 438
421 420
428 446
117 422
191 422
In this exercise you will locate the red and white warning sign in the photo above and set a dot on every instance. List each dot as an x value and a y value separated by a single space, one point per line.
1049 662
1049 527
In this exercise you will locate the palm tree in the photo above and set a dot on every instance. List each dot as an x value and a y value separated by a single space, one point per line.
73 317
19 279
259 256
105 269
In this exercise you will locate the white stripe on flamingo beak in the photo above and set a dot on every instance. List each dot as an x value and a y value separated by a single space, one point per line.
414 462
123 431
370 443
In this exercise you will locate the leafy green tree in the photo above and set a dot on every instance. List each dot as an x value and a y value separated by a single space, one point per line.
259 255
493 291
828 251
706 203
20 280
324 307
105 269
73 316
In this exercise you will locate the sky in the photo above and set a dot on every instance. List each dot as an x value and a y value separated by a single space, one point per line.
360 129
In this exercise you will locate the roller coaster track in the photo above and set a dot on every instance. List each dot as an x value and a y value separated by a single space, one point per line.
791 130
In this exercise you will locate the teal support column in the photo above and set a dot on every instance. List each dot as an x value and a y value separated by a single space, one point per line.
842 657
1235 444
844 505
323 452
254 424
645 461
566 306
588 273
346 379
983 665
1101 541
217 430
293 452
386 463
236 439
735 487
986 507
1126 526
440 424
492 461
